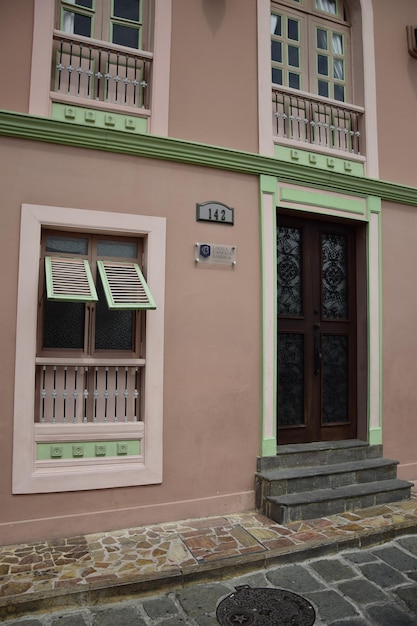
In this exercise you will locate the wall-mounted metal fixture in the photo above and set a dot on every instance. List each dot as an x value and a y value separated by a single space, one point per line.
412 40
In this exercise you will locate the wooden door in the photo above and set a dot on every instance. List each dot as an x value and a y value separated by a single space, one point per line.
316 304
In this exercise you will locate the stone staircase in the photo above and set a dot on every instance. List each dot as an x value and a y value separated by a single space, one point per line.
306 481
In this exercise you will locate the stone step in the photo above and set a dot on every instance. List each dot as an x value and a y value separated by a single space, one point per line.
278 482
323 502
319 453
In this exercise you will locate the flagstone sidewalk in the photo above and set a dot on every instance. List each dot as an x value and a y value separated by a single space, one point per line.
104 566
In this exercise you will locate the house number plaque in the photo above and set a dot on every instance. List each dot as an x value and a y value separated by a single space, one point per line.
215 212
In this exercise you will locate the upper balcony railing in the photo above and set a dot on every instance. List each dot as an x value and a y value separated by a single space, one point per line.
308 119
100 71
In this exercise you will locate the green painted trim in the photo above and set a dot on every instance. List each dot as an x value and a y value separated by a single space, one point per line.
87 450
317 199
380 314
373 204
326 162
83 116
375 436
34 128
269 447
268 185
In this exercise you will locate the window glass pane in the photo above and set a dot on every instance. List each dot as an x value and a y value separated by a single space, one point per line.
81 3
338 69
337 43
123 249
127 9
70 245
277 76
63 325
293 29
76 24
293 80
321 39
323 88
125 36
276 51
328 6
334 276
276 24
335 377
322 65
339 93
290 361
293 56
114 329
290 279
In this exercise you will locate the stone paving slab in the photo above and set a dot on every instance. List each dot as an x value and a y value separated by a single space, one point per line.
349 600
100 567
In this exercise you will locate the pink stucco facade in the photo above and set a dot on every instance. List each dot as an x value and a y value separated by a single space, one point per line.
217 381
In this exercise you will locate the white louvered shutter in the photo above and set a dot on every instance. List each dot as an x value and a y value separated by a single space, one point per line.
69 279
124 285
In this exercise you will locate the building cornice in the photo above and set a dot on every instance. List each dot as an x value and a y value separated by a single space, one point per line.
30 127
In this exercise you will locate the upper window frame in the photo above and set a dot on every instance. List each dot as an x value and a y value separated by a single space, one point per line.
308 6
310 20
103 20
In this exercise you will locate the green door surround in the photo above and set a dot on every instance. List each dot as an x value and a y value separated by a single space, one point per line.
275 193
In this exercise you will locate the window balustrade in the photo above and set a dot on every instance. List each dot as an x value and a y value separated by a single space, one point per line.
309 119
70 392
100 71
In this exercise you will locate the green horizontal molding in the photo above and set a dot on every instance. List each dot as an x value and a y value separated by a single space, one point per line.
87 450
315 198
43 129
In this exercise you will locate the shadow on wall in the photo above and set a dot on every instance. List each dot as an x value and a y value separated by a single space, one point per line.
214 11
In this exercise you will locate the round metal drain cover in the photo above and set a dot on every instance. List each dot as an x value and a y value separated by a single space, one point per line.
265 607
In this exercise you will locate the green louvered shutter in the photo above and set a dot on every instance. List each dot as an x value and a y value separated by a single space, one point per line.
125 286
69 279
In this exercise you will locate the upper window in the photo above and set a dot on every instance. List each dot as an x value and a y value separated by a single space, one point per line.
117 21
100 52
310 47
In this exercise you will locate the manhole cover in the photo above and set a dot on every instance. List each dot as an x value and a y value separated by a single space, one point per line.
265 607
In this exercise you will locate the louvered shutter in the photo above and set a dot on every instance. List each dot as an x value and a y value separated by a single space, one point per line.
69 279
125 286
